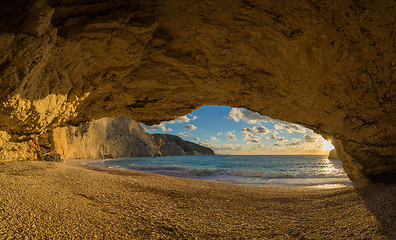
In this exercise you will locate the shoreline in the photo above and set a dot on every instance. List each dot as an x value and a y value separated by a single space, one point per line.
70 200
239 178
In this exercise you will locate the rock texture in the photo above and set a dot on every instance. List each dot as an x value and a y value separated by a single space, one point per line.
174 145
328 65
46 151
104 138
35 149
22 151
333 154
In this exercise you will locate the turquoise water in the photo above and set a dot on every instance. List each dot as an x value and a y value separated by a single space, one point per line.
260 170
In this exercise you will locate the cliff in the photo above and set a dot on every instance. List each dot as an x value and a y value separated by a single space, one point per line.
333 154
118 137
104 138
174 145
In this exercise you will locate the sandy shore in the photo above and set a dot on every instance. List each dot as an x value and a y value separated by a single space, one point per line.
70 201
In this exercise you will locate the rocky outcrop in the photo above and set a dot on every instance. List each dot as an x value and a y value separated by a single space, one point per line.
104 138
39 148
17 151
174 145
327 65
333 154
117 137
46 148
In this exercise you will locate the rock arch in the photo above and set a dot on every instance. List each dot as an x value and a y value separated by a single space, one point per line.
327 65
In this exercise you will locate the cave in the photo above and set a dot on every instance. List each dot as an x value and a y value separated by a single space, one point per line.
326 65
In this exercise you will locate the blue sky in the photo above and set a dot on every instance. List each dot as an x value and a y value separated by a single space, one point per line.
239 131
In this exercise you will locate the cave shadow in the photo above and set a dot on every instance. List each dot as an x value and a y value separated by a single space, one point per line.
380 199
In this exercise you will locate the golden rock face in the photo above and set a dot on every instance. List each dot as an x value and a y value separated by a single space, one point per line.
104 138
326 65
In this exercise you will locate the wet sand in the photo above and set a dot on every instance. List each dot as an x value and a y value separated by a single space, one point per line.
45 200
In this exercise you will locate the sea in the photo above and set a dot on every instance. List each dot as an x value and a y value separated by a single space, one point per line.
249 170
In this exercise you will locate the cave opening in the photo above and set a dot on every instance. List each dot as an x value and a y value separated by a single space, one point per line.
250 148
238 131
219 143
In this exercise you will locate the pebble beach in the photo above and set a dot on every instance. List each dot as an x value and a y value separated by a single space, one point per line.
43 200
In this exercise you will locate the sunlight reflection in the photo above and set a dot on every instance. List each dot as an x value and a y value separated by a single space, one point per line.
330 186
329 168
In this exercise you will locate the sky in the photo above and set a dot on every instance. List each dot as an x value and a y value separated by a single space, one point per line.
238 131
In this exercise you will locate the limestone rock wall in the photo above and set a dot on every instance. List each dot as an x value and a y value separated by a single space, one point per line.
39 148
327 65
22 151
104 138
174 145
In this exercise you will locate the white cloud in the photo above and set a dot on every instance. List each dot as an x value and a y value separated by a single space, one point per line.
289 127
213 138
183 119
184 134
245 115
158 127
219 133
281 139
256 130
247 130
250 138
309 144
190 127
222 148
310 138
280 144
294 144
206 143
162 125
226 146
197 139
231 137
258 147
261 130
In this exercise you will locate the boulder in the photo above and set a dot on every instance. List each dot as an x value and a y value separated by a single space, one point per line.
333 154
